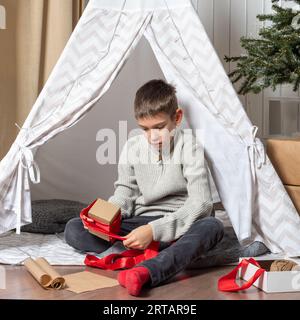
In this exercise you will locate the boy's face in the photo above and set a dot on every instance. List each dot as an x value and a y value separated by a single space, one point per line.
160 128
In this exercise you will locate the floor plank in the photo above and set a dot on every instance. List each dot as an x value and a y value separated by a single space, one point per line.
191 284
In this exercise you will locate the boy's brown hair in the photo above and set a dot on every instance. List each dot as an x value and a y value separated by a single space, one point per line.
153 97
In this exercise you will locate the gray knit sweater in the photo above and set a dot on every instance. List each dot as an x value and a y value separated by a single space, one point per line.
172 182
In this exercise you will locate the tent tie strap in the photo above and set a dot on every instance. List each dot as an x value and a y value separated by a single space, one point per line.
256 149
28 163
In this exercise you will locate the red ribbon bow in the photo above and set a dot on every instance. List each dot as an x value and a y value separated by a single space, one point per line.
124 260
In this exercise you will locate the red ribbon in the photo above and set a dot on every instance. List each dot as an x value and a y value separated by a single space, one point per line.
227 282
124 260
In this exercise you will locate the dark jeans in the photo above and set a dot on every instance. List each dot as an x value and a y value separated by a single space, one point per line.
172 258
80 238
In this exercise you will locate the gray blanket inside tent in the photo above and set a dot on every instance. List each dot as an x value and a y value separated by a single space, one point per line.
228 250
51 216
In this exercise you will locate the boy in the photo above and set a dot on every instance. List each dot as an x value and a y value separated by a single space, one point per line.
163 192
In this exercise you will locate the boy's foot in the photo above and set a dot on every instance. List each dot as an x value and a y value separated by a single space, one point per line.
122 278
134 279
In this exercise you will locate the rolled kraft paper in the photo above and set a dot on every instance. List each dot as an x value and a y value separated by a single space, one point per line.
57 280
39 274
284 265
42 271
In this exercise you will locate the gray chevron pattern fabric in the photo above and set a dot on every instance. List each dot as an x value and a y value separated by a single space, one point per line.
250 189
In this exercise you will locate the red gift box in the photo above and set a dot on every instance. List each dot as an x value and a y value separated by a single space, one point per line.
102 219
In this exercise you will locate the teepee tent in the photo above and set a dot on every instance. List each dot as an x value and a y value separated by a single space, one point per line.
108 31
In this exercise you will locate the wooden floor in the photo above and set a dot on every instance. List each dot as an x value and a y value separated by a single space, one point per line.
192 284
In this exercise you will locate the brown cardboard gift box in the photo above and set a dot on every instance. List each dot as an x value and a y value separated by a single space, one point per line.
294 193
105 213
285 157
284 154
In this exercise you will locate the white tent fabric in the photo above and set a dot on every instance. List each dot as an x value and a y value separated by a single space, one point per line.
108 31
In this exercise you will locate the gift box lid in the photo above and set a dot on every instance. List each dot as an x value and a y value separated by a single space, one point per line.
103 211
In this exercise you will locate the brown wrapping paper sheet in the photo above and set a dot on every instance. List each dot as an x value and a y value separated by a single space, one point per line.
87 281
44 273
78 282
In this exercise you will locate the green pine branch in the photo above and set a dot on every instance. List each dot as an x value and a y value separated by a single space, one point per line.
273 58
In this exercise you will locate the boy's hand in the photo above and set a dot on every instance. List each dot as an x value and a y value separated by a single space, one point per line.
139 238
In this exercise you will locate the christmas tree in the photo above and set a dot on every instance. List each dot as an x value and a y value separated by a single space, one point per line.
273 58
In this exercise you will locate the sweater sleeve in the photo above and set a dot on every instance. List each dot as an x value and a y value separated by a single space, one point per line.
126 188
199 203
